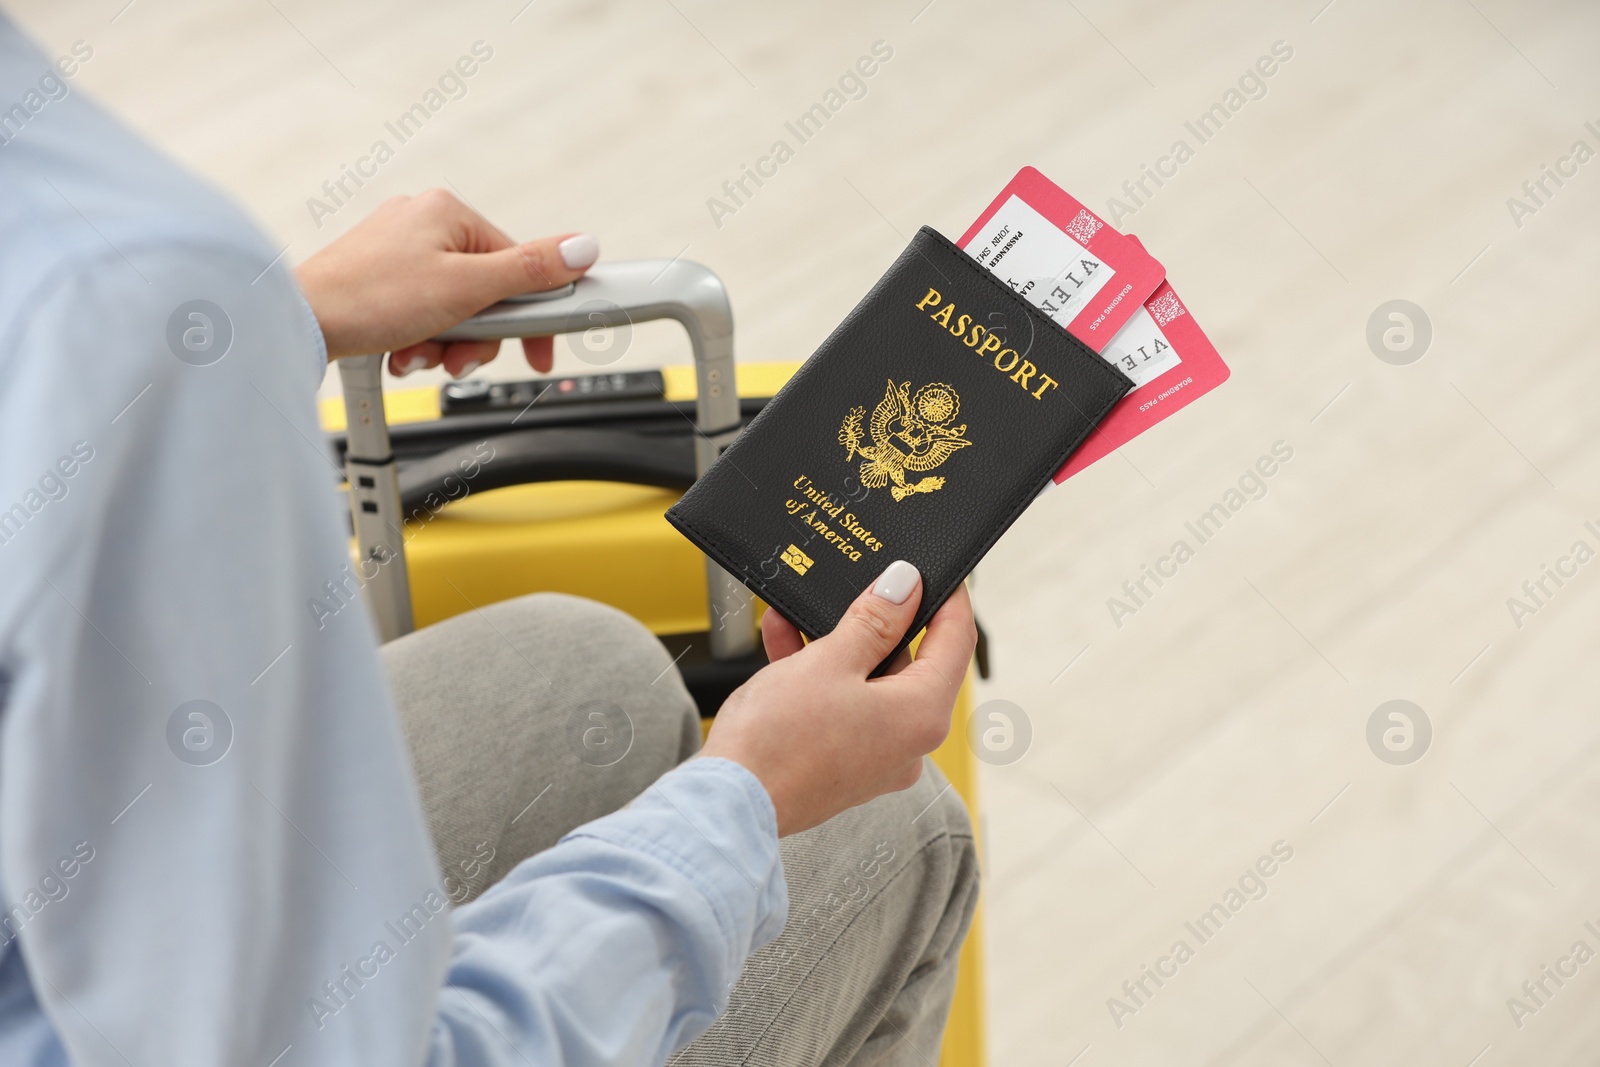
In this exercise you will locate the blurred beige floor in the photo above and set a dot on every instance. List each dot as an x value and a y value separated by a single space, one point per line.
1229 713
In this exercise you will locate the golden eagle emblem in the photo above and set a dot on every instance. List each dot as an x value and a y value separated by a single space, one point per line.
911 432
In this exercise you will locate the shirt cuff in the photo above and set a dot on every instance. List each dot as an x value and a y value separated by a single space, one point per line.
712 821
319 343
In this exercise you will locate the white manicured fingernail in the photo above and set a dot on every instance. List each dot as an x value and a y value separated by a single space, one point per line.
579 252
411 364
469 368
896 582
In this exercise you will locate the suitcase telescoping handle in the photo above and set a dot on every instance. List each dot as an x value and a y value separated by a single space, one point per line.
611 294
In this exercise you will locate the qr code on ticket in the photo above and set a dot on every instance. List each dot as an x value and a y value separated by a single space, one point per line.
1083 227
1165 308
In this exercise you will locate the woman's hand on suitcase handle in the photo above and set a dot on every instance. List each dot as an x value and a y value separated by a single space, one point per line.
820 734
419 265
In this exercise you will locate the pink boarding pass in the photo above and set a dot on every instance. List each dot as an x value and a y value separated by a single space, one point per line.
1062 258
1172 364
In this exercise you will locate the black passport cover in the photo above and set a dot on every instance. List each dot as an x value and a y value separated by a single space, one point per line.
919 430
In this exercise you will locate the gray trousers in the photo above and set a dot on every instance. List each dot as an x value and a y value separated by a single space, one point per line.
530 717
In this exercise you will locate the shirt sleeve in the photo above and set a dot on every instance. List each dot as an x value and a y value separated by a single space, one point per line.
211 847
319 343
646 916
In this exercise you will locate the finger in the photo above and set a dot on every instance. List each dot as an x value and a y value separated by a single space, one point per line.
540 353
947 646
421 356
875 623
459 228
902 660
461 358
780 637
481 278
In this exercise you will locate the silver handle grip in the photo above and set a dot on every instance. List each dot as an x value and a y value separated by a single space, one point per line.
619 294
640 290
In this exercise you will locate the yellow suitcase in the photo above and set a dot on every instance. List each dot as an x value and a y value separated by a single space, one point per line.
480 491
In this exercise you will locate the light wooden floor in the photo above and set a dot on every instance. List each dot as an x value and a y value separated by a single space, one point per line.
1229 713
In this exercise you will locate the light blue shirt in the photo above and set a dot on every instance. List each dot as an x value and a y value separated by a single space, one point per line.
248 881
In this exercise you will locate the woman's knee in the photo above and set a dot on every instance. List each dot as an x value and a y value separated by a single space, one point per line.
546 640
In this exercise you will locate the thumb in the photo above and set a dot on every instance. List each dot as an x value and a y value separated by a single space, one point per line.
876 621
531 267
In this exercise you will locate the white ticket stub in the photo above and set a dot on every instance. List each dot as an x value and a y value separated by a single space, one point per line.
1041 262
1140 350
